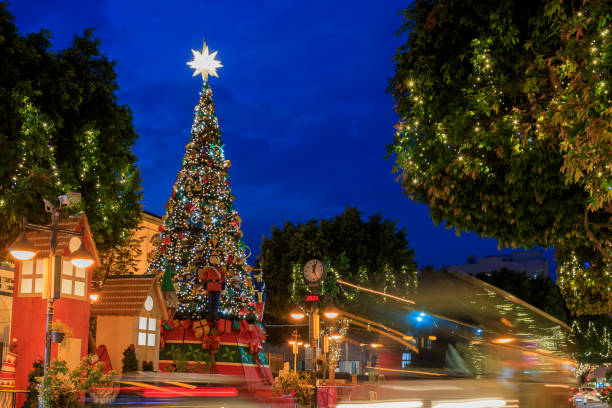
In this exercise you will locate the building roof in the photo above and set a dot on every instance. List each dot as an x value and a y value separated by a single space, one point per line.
149 216
123 295
40 239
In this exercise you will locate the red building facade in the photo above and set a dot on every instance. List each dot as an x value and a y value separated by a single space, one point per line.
72 309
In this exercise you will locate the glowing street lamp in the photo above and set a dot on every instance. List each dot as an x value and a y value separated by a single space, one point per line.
22 249
81 258
331 312
297 313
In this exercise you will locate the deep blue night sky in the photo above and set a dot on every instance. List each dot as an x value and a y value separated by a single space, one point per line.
301 102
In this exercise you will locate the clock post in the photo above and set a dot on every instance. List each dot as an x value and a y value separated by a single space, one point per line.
314 273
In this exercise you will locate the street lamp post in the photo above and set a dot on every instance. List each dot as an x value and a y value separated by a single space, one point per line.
23 250
295 343
314 272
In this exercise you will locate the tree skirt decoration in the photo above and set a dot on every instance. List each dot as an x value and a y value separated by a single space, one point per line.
229 347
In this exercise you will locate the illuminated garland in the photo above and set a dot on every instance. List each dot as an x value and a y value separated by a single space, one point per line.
594 346
200 212
42 169
336 330
585 283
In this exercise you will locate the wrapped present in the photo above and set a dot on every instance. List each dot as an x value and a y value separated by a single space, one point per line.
244 326
224 326
174 324
200 328
258 332
185 324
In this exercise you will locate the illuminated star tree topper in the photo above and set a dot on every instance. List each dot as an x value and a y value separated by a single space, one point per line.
205 63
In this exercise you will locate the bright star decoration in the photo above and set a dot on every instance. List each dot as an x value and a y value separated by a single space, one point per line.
205 63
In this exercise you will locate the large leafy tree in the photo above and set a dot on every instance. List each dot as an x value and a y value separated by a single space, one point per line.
505 127
373 253
62 129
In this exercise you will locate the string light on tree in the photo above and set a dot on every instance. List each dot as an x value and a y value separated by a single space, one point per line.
201 228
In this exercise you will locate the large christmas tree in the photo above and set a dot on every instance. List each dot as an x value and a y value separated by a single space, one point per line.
201 232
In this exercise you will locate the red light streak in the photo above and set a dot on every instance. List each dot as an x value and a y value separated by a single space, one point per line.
165 392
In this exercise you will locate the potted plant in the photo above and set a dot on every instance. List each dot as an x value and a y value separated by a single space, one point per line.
64 388
102 386
58 388
59 332
295 385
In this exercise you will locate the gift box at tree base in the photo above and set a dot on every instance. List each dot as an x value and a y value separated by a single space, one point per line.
225 347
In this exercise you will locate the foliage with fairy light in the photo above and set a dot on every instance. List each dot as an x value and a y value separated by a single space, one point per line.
505 123
592 338
199 213
62 129
372 253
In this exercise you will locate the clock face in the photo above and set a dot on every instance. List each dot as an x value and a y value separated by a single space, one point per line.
314 271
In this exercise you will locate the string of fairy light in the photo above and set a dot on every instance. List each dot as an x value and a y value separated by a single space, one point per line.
37 158
600 350
424 143
36 132
414 129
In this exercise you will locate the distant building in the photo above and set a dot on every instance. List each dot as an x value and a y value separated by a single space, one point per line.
530 262
149 229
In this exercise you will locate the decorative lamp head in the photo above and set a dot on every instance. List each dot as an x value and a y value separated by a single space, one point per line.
81 258
297 313
22 249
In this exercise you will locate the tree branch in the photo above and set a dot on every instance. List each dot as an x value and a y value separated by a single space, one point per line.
601 224
592 236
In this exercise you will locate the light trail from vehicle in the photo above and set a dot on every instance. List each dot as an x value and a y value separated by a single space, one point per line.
376 292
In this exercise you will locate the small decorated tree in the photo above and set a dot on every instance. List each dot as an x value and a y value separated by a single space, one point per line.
130 362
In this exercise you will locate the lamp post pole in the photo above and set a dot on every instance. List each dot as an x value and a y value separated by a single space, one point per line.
295 349
314 335
55 265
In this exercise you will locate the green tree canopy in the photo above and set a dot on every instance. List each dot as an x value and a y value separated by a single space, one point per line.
62 129
505 126
372 253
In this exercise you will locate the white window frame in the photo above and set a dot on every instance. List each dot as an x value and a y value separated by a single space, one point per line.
73 280
147 331
31 276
